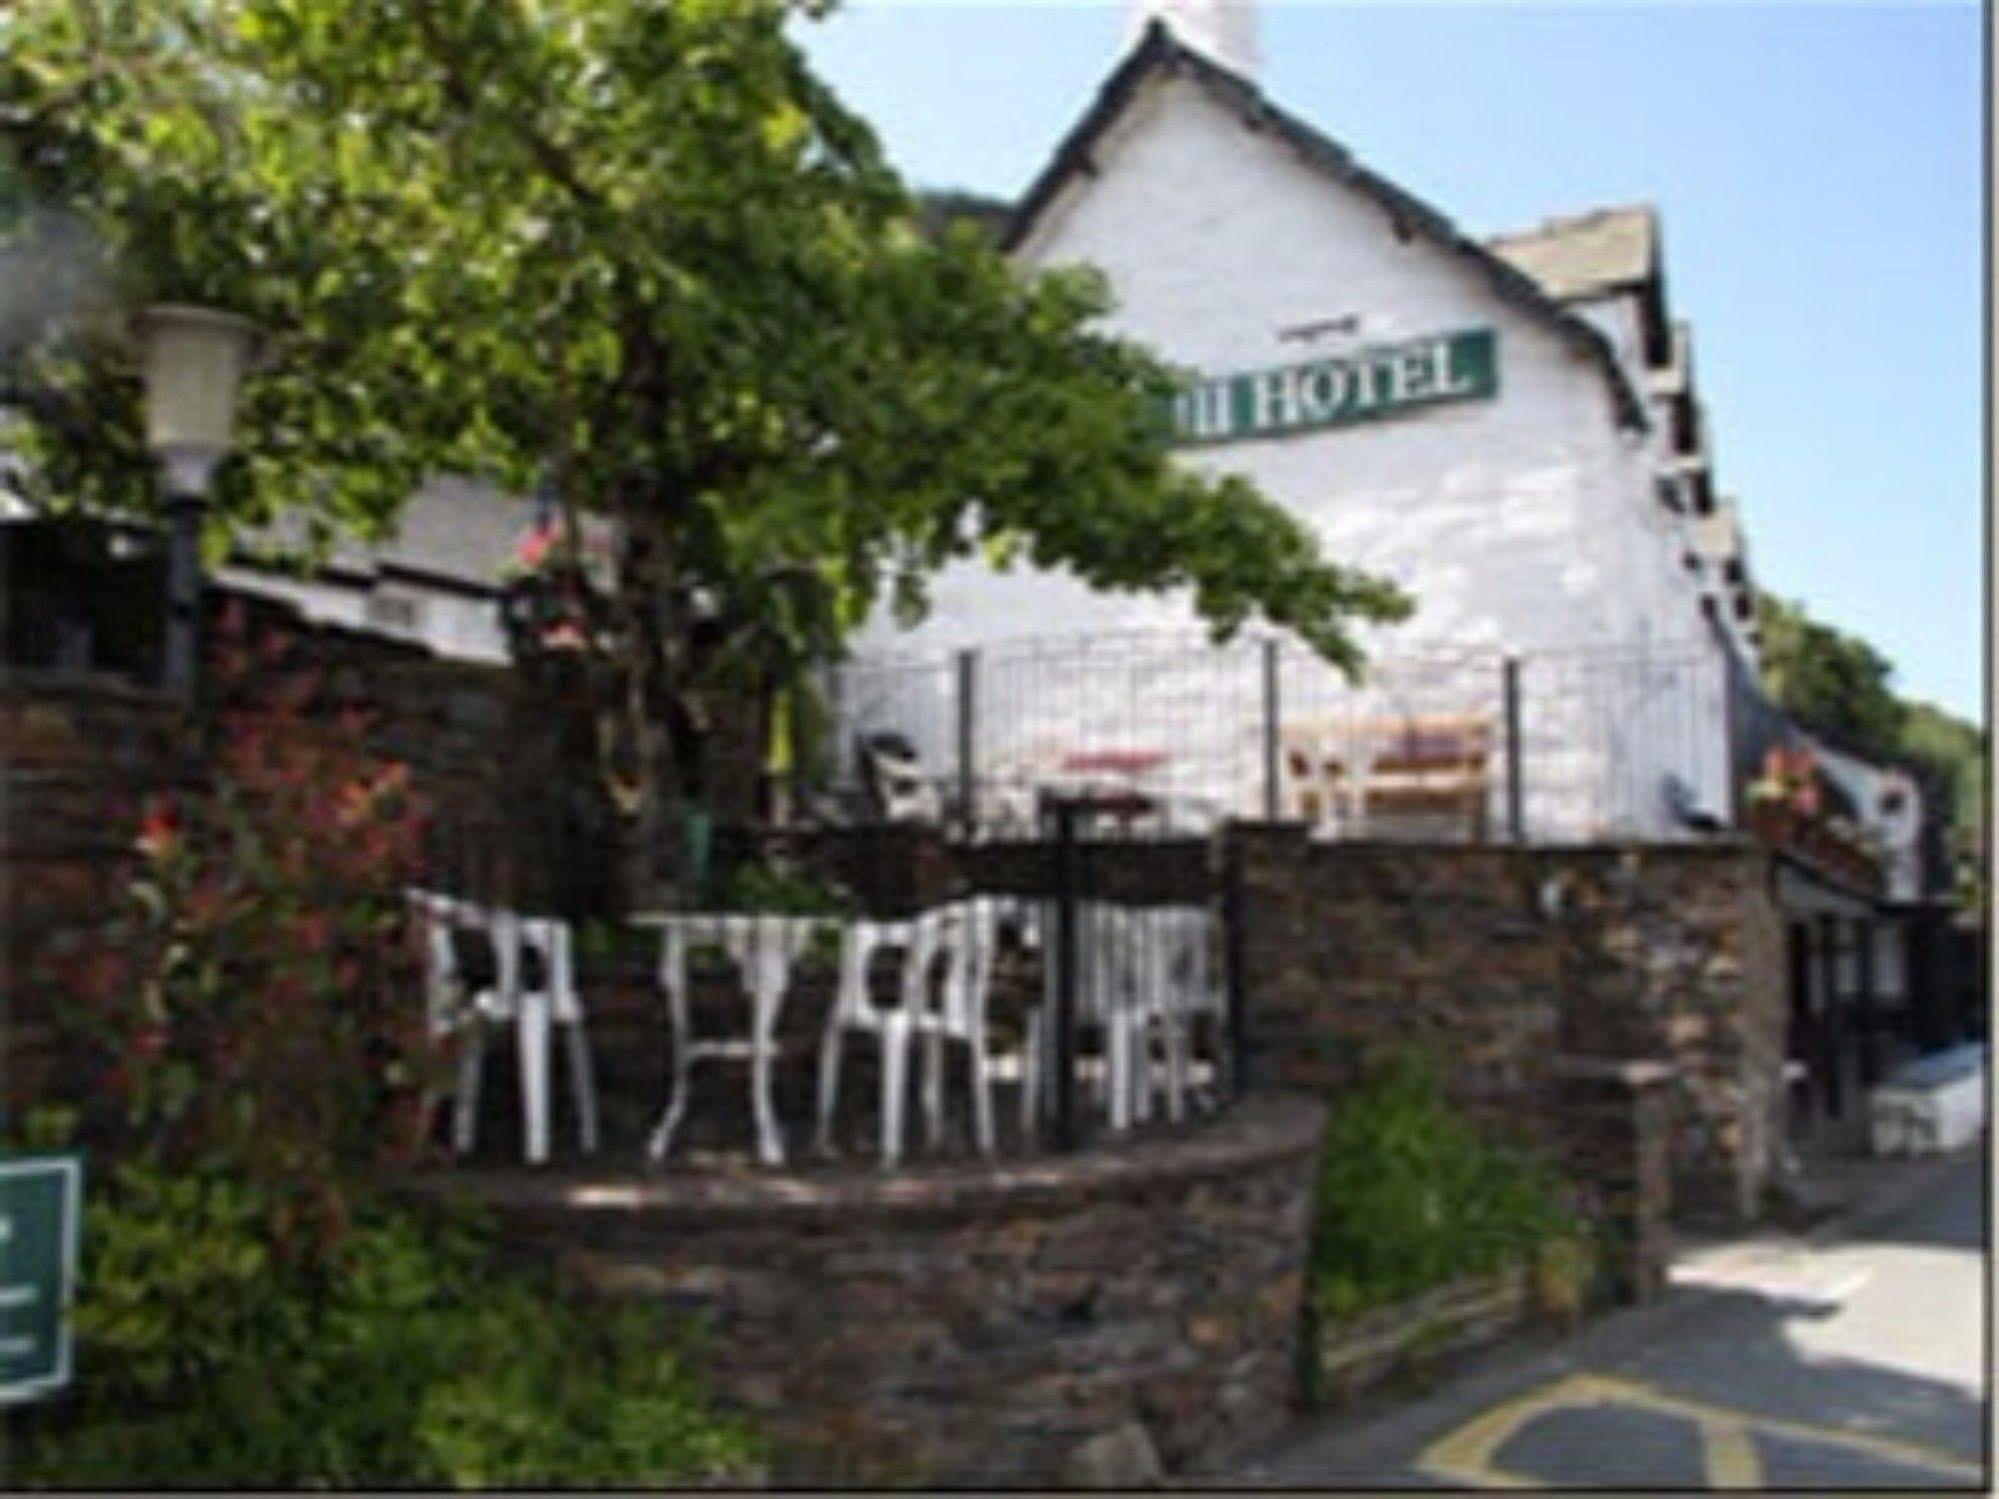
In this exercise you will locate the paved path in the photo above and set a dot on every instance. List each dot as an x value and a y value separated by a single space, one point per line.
1855 1360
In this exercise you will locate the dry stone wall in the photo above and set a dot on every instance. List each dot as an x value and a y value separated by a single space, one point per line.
1676 955
78 758
1054 1321
1505 961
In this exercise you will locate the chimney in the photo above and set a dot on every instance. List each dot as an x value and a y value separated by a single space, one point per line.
1223 30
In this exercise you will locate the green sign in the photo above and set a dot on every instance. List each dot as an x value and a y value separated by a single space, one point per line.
41 1201
1381 381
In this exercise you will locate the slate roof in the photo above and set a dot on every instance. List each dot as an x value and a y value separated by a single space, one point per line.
937 207
1588 254
1159 52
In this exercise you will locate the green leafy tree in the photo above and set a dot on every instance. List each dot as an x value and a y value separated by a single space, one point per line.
636 251
1955 750
1952 756
1828 680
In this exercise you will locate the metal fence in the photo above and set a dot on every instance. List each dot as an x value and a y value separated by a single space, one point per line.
1477 745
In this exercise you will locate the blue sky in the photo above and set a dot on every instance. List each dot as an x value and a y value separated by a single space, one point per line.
1817 167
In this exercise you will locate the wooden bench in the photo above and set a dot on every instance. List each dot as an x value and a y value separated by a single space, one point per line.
1373 774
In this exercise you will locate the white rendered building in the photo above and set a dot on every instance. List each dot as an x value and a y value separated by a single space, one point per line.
1506 429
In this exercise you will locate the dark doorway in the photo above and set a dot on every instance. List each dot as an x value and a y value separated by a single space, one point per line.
1801 1035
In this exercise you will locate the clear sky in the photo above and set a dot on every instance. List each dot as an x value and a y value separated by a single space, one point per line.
1818 169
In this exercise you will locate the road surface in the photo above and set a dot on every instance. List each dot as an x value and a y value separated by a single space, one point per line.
1777 1362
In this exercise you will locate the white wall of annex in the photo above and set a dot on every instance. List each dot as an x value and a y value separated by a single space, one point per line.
454 626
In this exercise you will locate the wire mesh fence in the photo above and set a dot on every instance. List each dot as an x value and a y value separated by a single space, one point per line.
1471 745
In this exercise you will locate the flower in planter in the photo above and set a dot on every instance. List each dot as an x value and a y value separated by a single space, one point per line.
1765 791
156 829
1789 779
533 548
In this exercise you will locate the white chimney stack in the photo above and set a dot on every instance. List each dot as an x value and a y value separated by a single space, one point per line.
1224 30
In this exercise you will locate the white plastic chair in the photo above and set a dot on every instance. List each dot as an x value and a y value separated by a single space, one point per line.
533 1010
447 998
1104 989
939 1006
763 948
1143 976
968 935
1173 985
1128 1000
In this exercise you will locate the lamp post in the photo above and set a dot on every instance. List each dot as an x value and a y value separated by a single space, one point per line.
192 359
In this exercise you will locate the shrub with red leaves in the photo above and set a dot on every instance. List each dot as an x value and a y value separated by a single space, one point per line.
259 1001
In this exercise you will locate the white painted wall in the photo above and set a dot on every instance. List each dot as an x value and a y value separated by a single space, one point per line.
1899 829
451 624
1524 524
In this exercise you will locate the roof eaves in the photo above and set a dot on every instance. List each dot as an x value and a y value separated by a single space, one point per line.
1158 49
1073 153
1596 283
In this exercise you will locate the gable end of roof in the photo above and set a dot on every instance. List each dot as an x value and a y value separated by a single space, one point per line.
1158 51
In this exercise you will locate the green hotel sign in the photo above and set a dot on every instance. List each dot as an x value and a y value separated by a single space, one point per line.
41 1198
1381 381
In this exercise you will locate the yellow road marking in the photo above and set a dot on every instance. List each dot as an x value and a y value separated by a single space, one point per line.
1465 1455
1894 1449
1731 1457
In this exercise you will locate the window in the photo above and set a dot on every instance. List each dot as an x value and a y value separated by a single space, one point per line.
394 611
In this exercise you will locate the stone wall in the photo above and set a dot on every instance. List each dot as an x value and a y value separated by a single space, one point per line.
484 749
78 757
1417 1339
1504 961
1616 1128
1676 954
1063 1320
1351 945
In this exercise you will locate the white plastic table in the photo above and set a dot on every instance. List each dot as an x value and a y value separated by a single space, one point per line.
763 946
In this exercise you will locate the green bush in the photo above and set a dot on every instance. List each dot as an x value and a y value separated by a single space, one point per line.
1411 1194
407 1358
250 1312
783 891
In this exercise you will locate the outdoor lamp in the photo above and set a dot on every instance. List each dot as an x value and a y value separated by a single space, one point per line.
192 360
